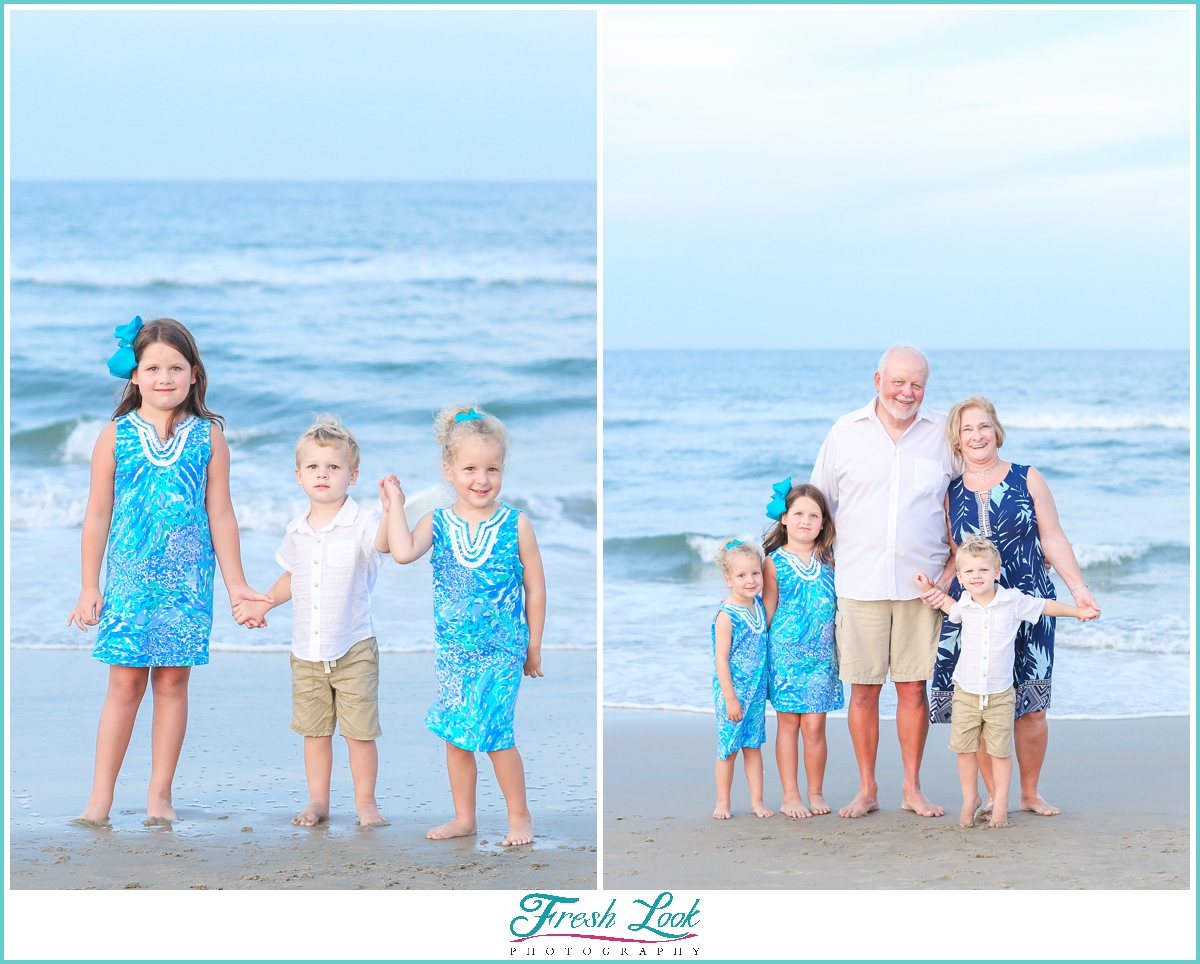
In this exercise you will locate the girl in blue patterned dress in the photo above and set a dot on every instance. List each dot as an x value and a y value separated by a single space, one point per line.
159 499
489 607
802 665
739 635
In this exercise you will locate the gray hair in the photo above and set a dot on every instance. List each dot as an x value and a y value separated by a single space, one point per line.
903 349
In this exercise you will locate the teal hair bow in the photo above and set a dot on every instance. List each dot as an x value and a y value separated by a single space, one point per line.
468 416
778 504
123 361
730 545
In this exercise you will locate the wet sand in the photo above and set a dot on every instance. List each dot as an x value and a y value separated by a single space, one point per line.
241 780
1123 787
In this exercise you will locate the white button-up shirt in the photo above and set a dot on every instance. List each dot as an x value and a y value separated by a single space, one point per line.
887 502
985 663
333 572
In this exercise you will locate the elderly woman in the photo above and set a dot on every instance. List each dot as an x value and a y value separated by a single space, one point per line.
1011 505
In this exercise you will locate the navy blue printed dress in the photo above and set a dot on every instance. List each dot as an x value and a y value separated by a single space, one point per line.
1004 514
158 586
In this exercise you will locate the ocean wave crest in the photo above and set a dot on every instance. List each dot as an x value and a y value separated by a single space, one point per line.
1165 634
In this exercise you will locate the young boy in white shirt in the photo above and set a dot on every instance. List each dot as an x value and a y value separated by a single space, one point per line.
331 555
984 701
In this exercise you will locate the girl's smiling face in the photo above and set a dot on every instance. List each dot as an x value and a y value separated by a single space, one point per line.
477 471
163 376
745 577
803 521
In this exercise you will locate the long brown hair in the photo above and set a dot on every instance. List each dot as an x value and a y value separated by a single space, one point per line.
776 536
168 331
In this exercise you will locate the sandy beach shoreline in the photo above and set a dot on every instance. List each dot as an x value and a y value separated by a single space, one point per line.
241 779
1123 787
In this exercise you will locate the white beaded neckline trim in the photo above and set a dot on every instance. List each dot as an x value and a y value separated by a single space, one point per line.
807 572
757 621
158 452
471 554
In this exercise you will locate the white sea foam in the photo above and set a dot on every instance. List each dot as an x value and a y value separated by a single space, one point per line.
77 448
1108 554
1164 634
706 546
1096 422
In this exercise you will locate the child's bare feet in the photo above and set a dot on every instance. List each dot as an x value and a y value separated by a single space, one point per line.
455 828
722 812
95 814
760 809
794 807
520 831
311 815
369 815
969 810
817 804
159 809
90 822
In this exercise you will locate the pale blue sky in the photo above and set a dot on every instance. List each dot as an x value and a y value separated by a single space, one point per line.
852 177
303 94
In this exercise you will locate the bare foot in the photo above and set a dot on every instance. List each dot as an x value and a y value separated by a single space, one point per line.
369 816
794 807
969 810
157 822
455 828
760 810
919 804
156 808
85 821
722 812
986 809
817 804
1038 805
998 820
861 805
311 815
520 831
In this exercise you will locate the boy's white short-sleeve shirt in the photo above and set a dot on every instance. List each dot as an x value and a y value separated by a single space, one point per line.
988 637
333 572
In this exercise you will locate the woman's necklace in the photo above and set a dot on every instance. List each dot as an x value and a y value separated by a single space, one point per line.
982 476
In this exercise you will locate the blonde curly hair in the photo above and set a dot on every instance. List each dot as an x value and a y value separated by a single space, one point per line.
328 430
725 555
450 433
980 548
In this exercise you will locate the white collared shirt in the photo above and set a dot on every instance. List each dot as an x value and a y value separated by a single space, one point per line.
333 572
985 662
887 502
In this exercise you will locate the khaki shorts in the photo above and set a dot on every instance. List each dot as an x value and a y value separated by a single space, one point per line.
994 721
876 635
347 695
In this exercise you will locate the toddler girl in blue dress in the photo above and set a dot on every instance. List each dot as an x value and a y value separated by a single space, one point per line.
159 499
489 607
739 635
801 602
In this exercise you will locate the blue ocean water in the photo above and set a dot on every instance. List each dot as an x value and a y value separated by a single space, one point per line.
693 442
378 302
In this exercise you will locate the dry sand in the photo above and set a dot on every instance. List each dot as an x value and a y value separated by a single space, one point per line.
1123 787
241 779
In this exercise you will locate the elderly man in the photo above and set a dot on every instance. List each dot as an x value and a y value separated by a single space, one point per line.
885 470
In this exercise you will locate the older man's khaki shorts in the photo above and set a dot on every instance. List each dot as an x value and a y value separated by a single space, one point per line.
347 695
994 722
878 635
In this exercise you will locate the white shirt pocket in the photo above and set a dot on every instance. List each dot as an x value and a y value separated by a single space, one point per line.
340 555
928 475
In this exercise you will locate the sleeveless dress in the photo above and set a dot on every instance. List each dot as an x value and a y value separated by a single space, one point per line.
158 587
1005 515
481 632
802 662
748 667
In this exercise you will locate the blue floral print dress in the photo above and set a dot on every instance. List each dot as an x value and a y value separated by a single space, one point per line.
158 589
481 632
748 667
802 662
1004 514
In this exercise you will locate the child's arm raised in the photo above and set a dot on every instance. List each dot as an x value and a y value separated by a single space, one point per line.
97 519
1083 613
222 523
381 534
926 586
252 615
770 590
406 545
535 593
724 632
